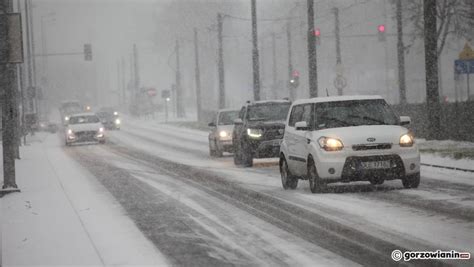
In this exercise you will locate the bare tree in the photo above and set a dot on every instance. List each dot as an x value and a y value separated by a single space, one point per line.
455 18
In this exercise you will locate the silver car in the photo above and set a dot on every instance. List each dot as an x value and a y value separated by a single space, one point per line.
220 137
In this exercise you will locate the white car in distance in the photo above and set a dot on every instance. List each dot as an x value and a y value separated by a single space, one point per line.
220 136
84 127
344 139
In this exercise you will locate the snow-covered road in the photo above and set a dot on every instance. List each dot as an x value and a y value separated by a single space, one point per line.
197 209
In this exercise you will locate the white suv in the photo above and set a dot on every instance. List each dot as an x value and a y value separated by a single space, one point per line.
344 139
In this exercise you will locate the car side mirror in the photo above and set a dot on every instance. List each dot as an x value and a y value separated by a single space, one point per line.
301 126
211 124
238 121
405 120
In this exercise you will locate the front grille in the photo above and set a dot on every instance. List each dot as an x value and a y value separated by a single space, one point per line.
371 146
352 167
85 134
270 134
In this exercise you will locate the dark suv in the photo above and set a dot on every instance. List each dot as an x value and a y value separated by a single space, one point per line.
259 130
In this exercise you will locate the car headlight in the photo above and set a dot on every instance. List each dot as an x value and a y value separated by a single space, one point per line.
70 132
223 134
254 133
406 140
117 121
66 118
330 144
115 113
101 130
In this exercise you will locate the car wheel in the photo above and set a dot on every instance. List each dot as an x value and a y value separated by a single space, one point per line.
237 155
212 152
219 152
411 181
316 185
102 142
287 179
247 157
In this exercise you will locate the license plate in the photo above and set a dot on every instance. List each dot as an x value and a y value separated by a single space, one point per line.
376 164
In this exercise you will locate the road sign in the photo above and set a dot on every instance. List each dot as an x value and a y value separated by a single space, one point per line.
340 82
464 66
467 53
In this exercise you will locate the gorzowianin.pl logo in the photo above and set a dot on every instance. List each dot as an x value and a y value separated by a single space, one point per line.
397 255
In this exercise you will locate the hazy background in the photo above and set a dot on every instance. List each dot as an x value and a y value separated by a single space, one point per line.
112 27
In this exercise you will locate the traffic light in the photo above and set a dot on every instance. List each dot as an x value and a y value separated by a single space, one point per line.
317 33
381 32
87 52
295 79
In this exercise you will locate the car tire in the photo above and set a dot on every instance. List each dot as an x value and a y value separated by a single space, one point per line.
316 185
212 152
102 142
237 154
411 181
288 180
247 157
218 152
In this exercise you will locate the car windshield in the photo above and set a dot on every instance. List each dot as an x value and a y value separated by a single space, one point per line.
268 112
228 117
104 115
353 113
83 119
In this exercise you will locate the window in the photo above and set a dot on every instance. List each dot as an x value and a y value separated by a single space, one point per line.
227 117
296 115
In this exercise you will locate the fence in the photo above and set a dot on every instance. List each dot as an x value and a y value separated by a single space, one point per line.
457 120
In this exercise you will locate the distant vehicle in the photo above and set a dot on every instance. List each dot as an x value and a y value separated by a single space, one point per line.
344 139
109 118
46 126
220 137
259 130
84 127
67 108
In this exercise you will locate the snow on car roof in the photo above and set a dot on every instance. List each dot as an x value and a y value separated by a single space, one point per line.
83 114
270 101
336 98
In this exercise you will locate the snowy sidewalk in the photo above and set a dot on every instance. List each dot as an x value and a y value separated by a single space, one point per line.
63 216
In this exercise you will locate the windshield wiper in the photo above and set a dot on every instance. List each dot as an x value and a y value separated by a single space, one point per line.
369 119
338 120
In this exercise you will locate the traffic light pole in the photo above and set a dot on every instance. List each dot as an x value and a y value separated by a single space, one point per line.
220 63
312 60
274 66
401 54
291 90
338 47
256 66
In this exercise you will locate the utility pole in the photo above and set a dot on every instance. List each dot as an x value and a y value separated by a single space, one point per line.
431 69
220 63
124 84
7 76
401 54
338 48
291 90
179 90
198 76
136 70
312 60
256 66
274 67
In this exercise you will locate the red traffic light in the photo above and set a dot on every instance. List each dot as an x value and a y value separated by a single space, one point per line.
381 28
317 32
